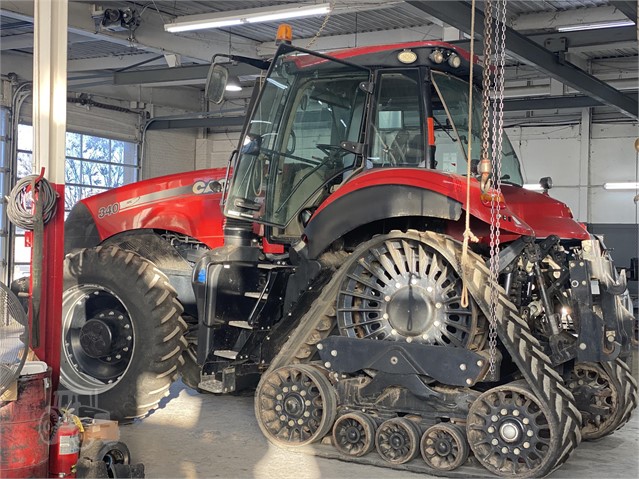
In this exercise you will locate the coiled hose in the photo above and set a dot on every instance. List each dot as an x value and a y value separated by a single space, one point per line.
20 201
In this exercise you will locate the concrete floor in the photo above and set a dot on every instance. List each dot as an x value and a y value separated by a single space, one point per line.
201 435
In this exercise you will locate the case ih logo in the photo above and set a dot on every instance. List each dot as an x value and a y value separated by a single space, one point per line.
202 187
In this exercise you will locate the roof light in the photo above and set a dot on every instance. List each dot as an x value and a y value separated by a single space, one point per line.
240 17
454 60
596 25
621 186
534 187
436 56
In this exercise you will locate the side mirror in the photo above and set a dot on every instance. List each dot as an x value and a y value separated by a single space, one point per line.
546 183
216 81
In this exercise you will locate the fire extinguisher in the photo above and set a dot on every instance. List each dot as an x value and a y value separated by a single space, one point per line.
64 450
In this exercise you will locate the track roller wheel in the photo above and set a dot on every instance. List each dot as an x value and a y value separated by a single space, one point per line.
512 434
295 405
397 440
597 398
354 434
444 447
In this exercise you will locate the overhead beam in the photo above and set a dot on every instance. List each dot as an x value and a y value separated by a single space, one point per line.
229 122
553 103
458 14
188 75
629 9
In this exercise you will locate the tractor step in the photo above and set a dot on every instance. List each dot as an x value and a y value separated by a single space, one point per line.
212 386
226 353
240 324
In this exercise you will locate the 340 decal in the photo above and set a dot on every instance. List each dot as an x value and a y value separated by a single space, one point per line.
108 210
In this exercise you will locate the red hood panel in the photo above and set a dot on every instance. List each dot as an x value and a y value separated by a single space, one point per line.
184 203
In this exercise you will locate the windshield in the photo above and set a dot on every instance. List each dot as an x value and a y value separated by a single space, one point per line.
450 113
292 152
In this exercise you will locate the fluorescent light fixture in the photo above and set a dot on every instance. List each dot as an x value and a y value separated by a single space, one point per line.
621 186
253 15
596 25
534 187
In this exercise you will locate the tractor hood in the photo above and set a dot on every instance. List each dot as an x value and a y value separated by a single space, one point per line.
185 203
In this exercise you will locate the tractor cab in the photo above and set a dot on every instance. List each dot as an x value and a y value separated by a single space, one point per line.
321 120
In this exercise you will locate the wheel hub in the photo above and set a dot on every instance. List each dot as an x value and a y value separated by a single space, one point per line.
410 311
294 405
443 447
353 434
397 440
96 338
510 431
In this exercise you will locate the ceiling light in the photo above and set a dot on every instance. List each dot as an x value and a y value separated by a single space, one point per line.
534 187
251 15
621 186
594 26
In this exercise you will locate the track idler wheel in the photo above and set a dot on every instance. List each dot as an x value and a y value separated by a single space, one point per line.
597 398
354 434
512 433
397 440
444 447
295 405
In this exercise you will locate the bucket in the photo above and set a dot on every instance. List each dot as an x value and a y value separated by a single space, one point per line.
24 427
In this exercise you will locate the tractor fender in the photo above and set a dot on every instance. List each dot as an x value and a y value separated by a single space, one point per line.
363 206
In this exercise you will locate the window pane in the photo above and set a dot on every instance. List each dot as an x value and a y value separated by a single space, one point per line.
73 171
117 176
95 174
117 151
95 148
22 252
72 194
25 165
25 137
74 144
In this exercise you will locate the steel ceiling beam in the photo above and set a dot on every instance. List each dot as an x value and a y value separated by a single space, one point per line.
458 14
553 103
231 123
629 9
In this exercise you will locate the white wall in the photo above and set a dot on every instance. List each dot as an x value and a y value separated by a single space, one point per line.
580 164
215 151
169 151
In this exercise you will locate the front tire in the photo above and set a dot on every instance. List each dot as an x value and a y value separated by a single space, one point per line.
122 334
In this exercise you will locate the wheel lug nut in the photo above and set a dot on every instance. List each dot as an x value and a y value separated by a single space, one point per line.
282 417
120 317
462 367
413 281
529 433
387 298
285 389
394 332
129 338
111 313
278 408
294 387
525 420
516 412
494 418
504 450
307 414
398 285
438 305
437 324
125 349
279 397
494 442
300 421
302 393
127 326
429 289
291 423
491 429
307 403
409 339
118 356
504 412
526 445
516 451
385 316
108 358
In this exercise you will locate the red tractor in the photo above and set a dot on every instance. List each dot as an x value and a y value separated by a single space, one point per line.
334 278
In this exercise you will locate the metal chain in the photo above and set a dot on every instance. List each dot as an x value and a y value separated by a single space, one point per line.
496 111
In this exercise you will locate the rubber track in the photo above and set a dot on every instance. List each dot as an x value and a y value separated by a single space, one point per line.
620 372
512 330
